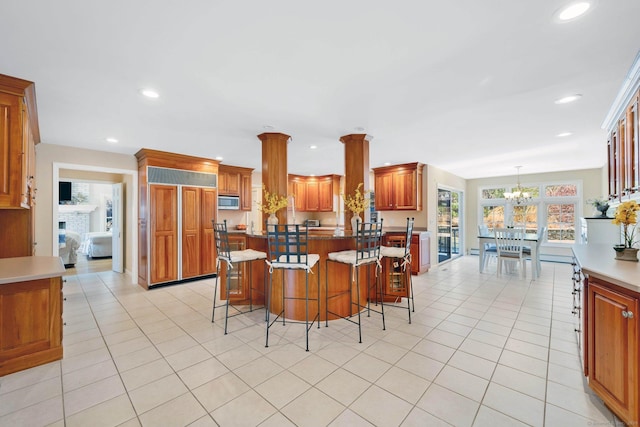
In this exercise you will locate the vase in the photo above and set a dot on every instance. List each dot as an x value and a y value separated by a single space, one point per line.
272 220
354 222
603 210
626 254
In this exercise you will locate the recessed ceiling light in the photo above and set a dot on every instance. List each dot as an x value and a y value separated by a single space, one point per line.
563 134
359 129
313 174
150 93
268 127
573 10
112 140
313 147
568 99
387 163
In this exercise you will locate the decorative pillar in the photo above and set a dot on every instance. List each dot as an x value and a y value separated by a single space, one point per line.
274 168
356 168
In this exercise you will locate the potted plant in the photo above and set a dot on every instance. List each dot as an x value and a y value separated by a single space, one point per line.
356 204
627 216
271 203
601 205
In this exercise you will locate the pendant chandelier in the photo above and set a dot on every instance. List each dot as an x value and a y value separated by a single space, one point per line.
518 196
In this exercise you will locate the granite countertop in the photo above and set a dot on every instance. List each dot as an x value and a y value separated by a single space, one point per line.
598 260
22 269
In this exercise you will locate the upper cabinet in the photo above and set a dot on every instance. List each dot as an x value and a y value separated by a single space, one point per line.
398 187
235 181
314 193
18 136
623 149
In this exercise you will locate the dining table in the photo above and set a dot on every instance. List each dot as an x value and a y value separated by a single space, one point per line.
531 238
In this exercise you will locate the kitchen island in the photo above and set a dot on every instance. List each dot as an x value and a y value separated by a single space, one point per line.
610 328
30 312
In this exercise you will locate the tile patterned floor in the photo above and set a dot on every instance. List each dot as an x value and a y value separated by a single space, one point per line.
481 351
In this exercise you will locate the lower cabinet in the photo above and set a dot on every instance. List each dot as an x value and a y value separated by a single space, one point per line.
612 347
420 249
30 324
240 286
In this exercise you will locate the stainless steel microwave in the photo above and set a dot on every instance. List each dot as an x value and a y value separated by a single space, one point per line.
228 203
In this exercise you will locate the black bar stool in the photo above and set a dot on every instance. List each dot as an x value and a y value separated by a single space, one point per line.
288 250
367 252
232 258
400 284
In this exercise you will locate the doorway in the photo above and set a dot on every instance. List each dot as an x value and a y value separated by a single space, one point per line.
449 224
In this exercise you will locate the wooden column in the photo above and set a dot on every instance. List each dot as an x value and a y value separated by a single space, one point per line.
274 167
356 168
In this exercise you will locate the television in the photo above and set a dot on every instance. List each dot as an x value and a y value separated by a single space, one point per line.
64 192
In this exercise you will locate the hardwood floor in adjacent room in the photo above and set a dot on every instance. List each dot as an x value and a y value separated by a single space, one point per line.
86 265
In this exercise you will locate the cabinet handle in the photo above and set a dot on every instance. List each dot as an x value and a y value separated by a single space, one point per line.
627 314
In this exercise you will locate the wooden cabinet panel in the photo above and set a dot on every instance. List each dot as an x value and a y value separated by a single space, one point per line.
623 152
30 324
613 348
314 194
163 209
208 205
228 183
398 187
11 151
325 195
191 222
313 197
245 192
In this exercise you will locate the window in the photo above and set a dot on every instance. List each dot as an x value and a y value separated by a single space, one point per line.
553 205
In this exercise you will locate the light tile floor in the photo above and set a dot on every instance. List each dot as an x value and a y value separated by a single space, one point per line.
481 351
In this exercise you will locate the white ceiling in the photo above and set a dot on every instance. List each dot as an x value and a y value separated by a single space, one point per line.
467 85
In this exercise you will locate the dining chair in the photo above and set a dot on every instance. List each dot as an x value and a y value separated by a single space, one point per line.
366 254
232 259
288 250
490 251
509 245
527 250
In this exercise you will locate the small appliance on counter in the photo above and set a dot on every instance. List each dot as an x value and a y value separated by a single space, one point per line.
312 223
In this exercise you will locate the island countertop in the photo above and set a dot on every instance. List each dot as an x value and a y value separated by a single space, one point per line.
22 269
599 260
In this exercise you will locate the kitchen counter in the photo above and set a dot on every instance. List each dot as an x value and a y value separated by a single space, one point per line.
22 269
599 260
31 307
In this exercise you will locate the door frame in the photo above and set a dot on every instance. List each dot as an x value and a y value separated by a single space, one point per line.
461 220
133 209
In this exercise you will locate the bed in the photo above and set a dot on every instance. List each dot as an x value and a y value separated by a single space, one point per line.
96 244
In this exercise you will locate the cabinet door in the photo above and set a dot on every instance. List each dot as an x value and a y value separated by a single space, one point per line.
191 232
300 195
313 199
384 191
325 195
163 233
229 183
11 151
613 348
245 192
239 282
208 208
404 190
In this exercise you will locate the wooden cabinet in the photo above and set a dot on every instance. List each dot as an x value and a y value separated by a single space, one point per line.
314 194
236 181
178 201
623 145
398 187
30 320
419 249
612 347
18 135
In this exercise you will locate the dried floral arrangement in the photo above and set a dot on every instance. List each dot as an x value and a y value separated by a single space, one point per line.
271 202
358 202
